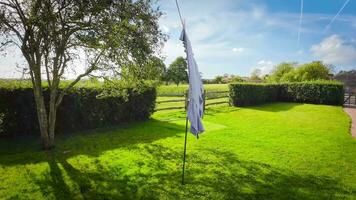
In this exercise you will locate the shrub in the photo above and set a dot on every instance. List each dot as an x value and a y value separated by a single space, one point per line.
1 122
317 92
244 94
82 108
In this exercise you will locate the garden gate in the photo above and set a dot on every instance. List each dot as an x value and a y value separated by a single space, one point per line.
350 99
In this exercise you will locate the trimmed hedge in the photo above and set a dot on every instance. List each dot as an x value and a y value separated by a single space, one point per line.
81 109
317 92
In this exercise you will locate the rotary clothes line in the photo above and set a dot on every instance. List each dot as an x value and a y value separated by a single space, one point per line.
195 94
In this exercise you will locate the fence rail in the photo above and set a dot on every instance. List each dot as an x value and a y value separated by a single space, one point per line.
170 101
216 103
218 92
208 96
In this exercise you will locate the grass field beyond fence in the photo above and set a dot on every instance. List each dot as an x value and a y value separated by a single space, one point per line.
170 90
215 94
272 151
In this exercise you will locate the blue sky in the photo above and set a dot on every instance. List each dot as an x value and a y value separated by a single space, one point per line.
238 36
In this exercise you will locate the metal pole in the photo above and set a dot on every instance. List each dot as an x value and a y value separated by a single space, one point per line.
186 107
180 15
204 96
185 147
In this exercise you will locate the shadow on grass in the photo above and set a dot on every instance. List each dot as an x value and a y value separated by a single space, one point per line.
212 174
275 107
153 171
175 115
214 110
27 150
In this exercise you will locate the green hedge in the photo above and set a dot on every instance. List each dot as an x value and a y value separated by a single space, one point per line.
317 92
81 109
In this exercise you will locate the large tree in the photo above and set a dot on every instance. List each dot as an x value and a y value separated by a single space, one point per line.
315 70
154 69
256 75
177 71
280 70
52 33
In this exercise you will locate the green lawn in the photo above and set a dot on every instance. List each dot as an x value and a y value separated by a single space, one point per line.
274 151
182 102
164 90
170 92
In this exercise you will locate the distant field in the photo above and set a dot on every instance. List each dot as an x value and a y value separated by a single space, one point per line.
173 92
169 90
13 83
163 90
181 103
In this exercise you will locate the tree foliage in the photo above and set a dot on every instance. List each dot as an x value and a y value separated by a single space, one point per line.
177 71
223 79
291 72
51 34
154 69
280 71
313 71
256 75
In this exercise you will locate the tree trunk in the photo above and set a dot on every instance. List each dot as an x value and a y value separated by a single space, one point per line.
52 117
42 118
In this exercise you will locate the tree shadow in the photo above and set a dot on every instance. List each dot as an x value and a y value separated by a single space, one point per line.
275 107
214 110
156 172
210 174
27 150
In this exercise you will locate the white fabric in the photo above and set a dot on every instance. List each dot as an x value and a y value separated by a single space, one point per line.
195 105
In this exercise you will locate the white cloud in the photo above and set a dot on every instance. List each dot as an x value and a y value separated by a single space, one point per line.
218 33
172 49
238 49
265 66
264 62
335 50
165 29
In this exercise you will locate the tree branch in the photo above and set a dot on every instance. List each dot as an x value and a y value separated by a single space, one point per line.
87 72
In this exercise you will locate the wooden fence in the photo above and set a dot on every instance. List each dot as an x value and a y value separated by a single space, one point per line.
180 101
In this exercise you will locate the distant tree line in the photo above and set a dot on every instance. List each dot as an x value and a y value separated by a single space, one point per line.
156 70
292 72
284 72
226 78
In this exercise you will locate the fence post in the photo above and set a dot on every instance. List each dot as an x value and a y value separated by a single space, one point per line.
229 98
204 95
350 98
186 100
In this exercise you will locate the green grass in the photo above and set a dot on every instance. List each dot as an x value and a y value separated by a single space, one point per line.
181 103
17 83
273 151
173 92
169 90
